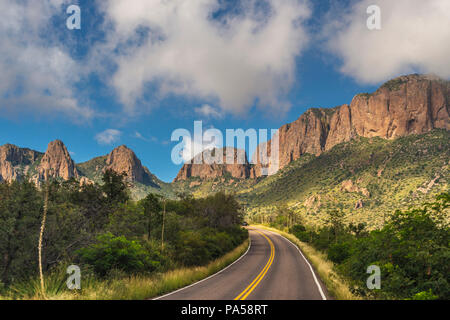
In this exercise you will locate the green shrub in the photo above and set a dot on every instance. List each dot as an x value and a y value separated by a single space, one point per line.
338 252
300 232
110 252
425 295
191 249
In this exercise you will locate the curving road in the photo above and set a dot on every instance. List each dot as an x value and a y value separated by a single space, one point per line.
272 269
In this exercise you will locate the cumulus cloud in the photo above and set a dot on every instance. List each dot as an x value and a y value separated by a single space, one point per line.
235 59
108 136
414 37
232 58
209 112
37 75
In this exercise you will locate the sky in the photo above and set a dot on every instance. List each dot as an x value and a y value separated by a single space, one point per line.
138 70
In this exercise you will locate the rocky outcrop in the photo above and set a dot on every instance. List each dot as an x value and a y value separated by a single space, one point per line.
349 186
57 163
212 164
15 162
85 181
411 104
313 202
124 160
359 204
429 185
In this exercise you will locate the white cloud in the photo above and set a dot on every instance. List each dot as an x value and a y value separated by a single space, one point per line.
138 135
108 136
37 75
209 112
234 61
175 47
414 37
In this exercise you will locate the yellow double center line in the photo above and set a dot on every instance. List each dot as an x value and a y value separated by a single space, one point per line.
244 294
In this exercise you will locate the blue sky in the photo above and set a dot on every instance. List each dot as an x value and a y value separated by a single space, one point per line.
141 74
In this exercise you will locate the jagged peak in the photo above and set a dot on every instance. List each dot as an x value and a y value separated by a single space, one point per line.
56 146
57 162
122 147
8 146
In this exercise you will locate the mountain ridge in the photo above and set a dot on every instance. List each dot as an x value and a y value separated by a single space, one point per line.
202 165
412 104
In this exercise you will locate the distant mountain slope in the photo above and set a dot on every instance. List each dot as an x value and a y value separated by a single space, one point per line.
384 150
124 160
16 163
406 105
20 163
205 167
366 178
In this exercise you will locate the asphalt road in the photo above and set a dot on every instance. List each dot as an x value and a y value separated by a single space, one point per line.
272 269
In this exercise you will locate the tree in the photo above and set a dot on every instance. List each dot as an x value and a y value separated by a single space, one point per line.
358 230
20 212
115 187
221 210
91 200
335 220
152 206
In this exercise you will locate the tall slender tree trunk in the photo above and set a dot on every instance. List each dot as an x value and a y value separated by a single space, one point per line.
41 235
162 229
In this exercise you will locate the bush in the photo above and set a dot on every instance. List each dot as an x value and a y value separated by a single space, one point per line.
192 249
118 253
425 295
199 247
412 252
339 252
300 232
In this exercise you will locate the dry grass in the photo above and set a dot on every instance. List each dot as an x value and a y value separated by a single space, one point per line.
335 284
136 287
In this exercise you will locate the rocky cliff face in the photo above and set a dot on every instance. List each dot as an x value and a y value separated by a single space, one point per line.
411 104
124 160
15 162
213 164
57 163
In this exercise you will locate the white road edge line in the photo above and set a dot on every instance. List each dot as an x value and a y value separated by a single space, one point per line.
213 275
310 267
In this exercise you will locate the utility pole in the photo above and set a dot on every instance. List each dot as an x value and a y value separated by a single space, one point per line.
162 229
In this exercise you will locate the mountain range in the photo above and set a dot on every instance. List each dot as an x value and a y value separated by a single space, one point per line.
407 109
